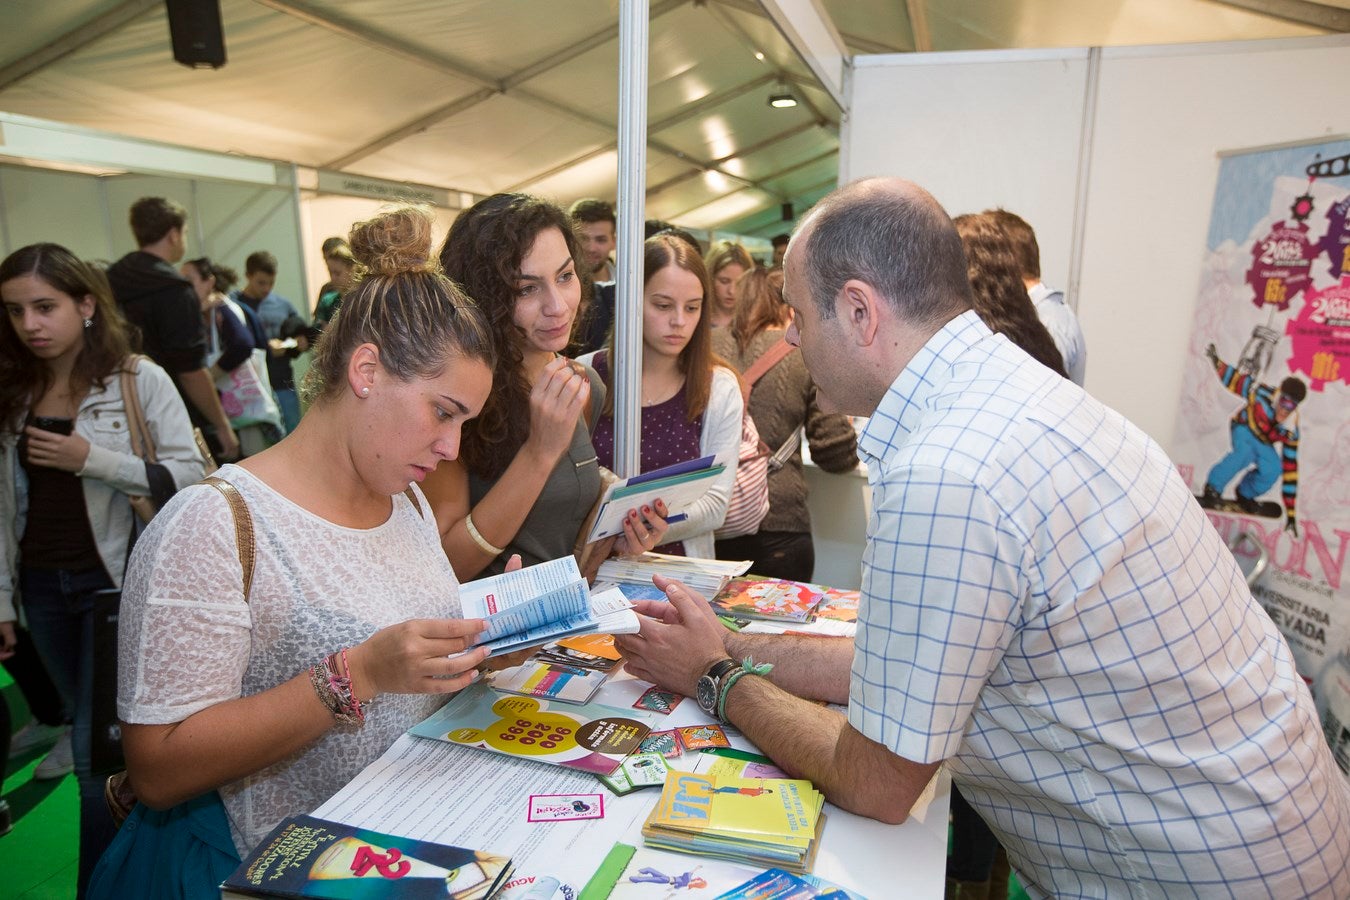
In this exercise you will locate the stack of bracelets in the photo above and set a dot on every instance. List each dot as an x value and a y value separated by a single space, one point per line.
336 690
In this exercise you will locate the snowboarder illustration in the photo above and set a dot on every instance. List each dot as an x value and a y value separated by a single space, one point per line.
648 875
1268 417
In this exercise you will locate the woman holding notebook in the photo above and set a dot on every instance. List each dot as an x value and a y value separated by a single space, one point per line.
528 475
691 400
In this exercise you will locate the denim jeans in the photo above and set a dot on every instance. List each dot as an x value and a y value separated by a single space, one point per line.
289 402
1248 451
60 608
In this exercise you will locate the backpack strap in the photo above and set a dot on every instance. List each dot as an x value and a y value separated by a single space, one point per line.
243 527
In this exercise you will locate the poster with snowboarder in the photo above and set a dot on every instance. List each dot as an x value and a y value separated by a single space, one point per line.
1263 431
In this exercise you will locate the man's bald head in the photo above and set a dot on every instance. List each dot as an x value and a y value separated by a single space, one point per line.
892 235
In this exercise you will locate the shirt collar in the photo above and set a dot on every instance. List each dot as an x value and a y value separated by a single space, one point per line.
903 405
1040 292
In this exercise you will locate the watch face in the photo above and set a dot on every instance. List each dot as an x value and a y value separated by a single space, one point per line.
707 694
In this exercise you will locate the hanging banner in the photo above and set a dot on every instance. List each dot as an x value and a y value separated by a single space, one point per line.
1263 431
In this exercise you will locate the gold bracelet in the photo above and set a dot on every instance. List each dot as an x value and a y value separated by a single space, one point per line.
481 541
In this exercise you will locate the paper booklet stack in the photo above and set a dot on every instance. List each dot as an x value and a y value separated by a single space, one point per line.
772 605
634 574
540 603
763 821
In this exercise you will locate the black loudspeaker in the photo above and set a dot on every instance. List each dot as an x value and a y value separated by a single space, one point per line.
196 32
788 212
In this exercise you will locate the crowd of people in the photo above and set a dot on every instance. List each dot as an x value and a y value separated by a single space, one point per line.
1045 607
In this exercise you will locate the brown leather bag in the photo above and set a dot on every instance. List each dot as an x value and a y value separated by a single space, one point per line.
118 791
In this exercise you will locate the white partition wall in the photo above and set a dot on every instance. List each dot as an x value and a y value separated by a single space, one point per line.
331 215
74 186
977 130
1143 127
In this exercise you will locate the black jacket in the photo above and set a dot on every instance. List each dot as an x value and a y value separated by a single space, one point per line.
163 306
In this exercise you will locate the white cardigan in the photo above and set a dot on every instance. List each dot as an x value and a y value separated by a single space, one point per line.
110 473
721 436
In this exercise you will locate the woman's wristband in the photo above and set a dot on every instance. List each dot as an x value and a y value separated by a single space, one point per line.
481 541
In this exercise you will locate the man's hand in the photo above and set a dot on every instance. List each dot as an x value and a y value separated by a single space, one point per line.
67 452
675 650
1291 526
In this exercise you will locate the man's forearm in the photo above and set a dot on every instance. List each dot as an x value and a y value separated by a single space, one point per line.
201 390
812 742
816 668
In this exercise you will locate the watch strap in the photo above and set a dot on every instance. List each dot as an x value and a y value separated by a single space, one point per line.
718 670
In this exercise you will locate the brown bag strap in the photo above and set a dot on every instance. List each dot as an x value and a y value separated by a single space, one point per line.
141 443
243 527
767 360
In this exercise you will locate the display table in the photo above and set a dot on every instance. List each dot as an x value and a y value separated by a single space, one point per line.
431 790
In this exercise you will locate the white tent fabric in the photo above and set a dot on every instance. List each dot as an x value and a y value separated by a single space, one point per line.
485 95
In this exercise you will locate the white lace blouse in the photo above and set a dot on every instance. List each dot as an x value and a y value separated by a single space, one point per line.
188 640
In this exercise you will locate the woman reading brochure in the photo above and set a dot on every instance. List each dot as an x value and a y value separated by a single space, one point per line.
243 709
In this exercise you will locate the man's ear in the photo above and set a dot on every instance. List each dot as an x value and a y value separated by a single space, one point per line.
363 368
860 307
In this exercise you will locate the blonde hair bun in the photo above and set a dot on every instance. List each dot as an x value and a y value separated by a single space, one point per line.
395 241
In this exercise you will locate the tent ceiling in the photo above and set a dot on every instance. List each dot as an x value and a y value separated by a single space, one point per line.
487 95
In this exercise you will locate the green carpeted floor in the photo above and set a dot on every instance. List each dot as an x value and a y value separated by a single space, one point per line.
38 858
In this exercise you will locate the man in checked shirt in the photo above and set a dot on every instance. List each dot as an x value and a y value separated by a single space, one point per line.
1045 607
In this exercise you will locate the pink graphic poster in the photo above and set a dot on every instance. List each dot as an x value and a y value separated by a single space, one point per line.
1263 434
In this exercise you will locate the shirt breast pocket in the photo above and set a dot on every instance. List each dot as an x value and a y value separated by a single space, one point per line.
108 428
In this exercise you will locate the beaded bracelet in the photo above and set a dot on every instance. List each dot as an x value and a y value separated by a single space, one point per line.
336 691
478 538
748 667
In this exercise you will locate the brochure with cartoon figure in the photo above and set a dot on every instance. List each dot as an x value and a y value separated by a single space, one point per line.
588 737
760 598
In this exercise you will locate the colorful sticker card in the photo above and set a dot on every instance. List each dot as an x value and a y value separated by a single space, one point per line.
566 807
656 700
697 737
667 743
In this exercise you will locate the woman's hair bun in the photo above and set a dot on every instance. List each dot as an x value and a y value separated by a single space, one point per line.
395 241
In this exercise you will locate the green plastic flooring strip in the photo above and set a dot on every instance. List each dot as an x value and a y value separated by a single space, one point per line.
40 857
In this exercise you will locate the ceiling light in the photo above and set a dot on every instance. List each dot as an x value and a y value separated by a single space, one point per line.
759 55
782 98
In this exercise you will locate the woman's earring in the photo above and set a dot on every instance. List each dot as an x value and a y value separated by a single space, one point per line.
88 323
365 392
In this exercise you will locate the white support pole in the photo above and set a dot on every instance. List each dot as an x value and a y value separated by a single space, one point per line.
627 362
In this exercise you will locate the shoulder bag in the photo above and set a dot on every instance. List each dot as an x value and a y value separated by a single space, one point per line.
187 850
160 479
749 502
